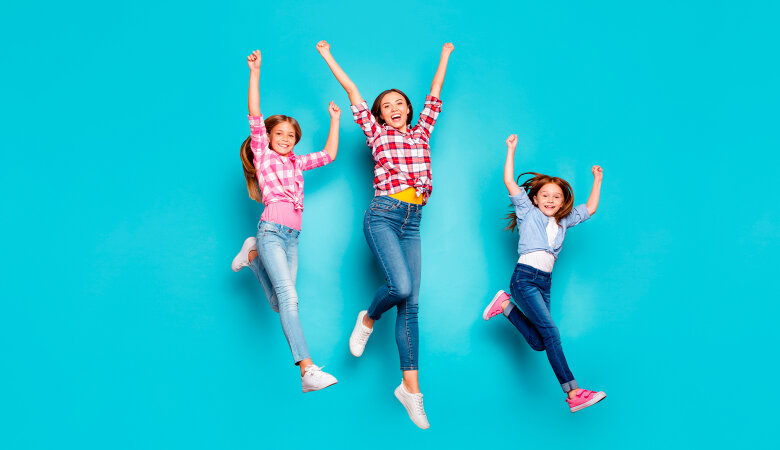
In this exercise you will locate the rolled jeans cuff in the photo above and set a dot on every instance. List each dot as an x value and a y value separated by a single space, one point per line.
570 386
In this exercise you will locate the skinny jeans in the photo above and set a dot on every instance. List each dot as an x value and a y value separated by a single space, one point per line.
276 267
392 230
531 291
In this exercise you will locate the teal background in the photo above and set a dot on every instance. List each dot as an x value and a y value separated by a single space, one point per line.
123 203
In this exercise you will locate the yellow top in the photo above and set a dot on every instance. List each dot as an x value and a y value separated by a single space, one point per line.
408 195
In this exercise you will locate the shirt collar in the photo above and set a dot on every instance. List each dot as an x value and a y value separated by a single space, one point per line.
291 156
408 129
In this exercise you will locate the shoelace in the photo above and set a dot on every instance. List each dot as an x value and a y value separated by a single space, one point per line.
314 371
364 333
418 404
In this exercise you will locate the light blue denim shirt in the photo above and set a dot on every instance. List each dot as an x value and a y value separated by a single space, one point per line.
532 225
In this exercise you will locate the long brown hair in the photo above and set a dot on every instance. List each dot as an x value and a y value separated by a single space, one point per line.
248 157
532 185
376 109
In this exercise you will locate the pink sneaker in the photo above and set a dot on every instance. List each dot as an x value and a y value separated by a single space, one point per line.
494 307
584 399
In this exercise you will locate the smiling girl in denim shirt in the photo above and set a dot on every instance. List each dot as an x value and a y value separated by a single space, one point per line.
543 213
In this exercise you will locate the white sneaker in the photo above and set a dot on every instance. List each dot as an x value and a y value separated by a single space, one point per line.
242 259
315 379
414 406
359 336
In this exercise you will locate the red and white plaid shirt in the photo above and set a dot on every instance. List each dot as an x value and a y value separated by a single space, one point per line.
401 160
280 177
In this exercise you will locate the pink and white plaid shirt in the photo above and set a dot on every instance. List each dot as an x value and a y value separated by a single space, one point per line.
401 160
280 177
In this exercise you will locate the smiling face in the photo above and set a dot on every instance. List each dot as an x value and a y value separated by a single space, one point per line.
282 138
394 110
549 199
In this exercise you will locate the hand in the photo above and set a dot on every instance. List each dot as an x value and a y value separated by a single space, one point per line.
511 142
447 48
323 47
253 60
598 173
334 111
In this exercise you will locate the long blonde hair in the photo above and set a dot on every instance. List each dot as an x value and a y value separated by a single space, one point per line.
248 157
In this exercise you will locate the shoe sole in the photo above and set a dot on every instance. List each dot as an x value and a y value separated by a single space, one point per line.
596 398
318 389
409 413
488 308
354 330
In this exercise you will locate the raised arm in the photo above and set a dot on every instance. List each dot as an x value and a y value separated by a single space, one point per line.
332 144
438 79
595 191
253 60
509 166
352 91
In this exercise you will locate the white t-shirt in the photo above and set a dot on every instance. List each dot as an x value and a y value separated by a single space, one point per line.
541 259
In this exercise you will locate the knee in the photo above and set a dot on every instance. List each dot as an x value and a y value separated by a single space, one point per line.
284 290
401 289
287 303
551 337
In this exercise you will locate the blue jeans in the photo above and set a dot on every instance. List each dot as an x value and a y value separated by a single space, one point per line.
276 267
531 290
392 229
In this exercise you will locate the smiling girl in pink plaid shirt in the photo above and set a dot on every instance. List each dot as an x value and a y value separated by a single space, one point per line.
274 175
402 185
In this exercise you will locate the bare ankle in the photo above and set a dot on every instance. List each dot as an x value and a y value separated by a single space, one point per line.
252 255
368 322
304 364
504 304
410 382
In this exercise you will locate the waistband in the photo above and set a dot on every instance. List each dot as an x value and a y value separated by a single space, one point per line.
265 225
396 204
525 268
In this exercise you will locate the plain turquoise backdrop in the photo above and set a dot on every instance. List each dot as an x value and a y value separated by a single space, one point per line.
123 203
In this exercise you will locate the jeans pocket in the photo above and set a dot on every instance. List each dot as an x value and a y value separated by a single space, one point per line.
269 230
381 206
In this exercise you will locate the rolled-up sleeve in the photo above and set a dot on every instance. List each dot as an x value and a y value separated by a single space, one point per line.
577 215
259 136
314 160
428 116
522 204
365 119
